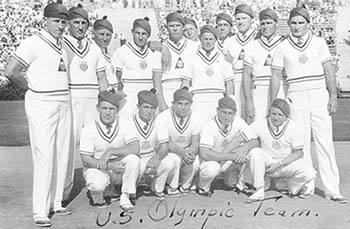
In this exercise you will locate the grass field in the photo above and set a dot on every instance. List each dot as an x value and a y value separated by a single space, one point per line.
14 127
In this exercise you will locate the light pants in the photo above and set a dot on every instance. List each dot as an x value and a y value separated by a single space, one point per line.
309 109
49 130
84 112
261 98
239 96
183 173
205 105
208 170
165 171
299 174
97 180
169 88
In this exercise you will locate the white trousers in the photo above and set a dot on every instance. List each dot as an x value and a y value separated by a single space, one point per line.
169 88
239 96
84 112
208 170
165 171
309 109
261 98
299 175
183 173
97 180
205 104
49 130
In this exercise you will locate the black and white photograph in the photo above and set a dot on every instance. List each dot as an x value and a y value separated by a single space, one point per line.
174 114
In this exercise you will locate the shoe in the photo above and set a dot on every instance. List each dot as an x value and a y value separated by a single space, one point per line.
256 197
100 205
128 208
43 222
63 211
204 193
159 195
173 192
338 199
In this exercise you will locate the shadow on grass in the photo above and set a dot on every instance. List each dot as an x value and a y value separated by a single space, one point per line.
78 185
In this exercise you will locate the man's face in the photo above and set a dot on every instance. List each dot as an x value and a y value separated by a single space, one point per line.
103 37
276 116
243 22
268 27
107 112
176 30
56 26
78 28
298 26
190 32
207 41
225 115
140 36
223 29
182 108
146 111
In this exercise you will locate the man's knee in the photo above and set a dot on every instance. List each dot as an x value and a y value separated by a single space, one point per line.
209 169
96 186
132 160
256 154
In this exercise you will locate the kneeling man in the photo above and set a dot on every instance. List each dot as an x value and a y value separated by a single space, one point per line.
154 158
280 154
108 145
222 142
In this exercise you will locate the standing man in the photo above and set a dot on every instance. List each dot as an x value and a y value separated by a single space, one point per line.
87 73
234 49
220 139
209 75
280 153
257 67
103 32
154 158
182 51
307 63
224 25
183 128
48 109
108 145
137 67
191 29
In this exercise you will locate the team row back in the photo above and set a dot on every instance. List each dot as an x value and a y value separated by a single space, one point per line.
64 75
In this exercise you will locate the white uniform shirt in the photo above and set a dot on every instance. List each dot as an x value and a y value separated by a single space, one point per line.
302 63
235 46
47 65
279 144
95 139
259 55
177 133
181 55
208 73
137 66
147 134
84 64
214 137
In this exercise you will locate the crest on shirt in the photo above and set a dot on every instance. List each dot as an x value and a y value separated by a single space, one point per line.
276 145
143 64
179 63
241 55
268 60
62 66
303 58
83 65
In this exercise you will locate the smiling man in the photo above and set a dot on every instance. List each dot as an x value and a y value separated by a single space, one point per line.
209 75
234 49
312 92
137 67
219 143
191 29
87 75
103 31
280 153
224 25
257 67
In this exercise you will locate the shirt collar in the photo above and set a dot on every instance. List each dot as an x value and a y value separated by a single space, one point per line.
180 42
104 126
75 41
48 36
275 129
304 38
